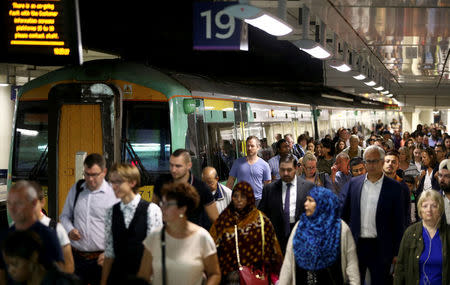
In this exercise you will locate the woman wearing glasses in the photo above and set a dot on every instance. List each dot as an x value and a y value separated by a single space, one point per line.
127 224
181 252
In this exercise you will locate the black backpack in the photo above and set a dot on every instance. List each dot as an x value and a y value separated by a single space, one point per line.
77 193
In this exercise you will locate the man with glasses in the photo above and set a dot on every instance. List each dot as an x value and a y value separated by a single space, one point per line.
83 217
441 152
374 210
311 174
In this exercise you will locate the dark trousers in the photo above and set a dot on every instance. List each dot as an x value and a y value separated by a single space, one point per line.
369 258
87 269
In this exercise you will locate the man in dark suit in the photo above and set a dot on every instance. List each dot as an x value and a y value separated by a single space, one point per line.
284 210
373 208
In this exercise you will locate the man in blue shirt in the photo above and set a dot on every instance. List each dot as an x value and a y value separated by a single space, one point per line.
83 217
274 162
340 172
21 202
251 169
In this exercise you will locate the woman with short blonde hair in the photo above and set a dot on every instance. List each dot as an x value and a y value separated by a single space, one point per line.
127 223
422 258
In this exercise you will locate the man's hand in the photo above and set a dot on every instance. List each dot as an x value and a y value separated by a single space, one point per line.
334 170
100 259
74 234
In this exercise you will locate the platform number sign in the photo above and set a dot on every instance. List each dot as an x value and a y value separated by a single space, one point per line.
216 30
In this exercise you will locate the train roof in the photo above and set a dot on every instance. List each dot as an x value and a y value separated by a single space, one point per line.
179 84
110 69
206 87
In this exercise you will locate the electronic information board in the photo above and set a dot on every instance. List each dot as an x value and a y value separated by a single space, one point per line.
40 32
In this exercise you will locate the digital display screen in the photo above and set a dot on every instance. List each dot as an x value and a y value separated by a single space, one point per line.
40 32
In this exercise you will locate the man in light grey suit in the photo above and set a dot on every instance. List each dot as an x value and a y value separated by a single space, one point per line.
283 200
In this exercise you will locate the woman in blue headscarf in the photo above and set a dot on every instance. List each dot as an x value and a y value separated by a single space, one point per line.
321 249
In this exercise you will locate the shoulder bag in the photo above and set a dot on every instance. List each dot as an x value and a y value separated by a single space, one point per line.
247 275
163 255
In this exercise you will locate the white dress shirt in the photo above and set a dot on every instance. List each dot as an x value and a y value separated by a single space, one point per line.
88 215
292 198
369 201
225 199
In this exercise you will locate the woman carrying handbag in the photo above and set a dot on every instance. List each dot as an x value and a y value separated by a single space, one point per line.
247 246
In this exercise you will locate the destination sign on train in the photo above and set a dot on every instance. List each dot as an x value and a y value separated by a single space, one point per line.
40 32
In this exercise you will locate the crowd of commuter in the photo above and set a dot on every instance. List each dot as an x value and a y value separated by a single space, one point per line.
343 210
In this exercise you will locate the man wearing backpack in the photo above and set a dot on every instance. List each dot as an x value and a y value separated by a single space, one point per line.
83 218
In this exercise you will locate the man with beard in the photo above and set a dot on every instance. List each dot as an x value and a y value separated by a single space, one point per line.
283 200
390 167
444 182
251 169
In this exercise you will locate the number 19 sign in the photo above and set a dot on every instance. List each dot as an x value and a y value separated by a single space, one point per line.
216 30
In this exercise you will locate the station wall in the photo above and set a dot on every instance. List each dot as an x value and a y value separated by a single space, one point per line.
6 118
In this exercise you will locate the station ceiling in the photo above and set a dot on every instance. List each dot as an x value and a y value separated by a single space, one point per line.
405 41
410 38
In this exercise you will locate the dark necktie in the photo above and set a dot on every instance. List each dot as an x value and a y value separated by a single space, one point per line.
286 214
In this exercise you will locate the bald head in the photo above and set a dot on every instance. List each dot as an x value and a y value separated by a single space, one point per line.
210 177
21 203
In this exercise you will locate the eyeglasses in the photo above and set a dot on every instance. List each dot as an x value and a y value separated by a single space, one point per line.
373 161
116 182
94 175
164 204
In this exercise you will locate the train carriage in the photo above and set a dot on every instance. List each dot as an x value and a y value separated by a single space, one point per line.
134 113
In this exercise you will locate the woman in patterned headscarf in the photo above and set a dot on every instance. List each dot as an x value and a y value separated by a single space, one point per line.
243 213
320 249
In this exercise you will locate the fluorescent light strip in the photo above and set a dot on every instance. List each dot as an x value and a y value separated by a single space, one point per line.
337 98
25 132
342 68
270 25
370 83
379 88
389 95
317 52
385 92
359 77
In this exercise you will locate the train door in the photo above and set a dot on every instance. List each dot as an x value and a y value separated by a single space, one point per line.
215 134
80 129
82 118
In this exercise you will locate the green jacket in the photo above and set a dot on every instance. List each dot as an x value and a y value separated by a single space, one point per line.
407 268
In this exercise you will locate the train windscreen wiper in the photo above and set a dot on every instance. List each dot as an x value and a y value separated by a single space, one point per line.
39 165
136 161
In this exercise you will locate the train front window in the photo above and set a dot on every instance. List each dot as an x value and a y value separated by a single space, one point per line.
147 131
30 141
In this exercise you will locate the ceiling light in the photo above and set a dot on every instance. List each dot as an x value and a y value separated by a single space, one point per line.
25 132
259 18
379 88
337 98
340 65
370 83
389 95
4 84
385 92
435 112
314 49
360 77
